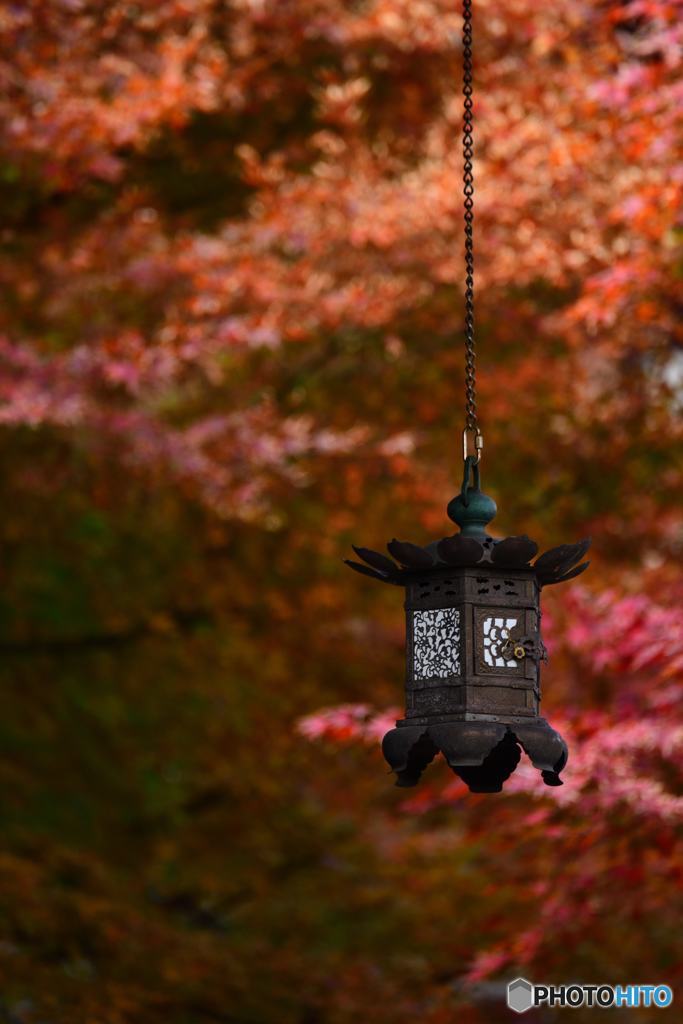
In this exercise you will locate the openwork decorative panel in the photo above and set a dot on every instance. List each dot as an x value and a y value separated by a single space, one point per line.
436 643
496 633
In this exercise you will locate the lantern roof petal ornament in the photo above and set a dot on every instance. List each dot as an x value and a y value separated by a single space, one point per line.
557 565
473 617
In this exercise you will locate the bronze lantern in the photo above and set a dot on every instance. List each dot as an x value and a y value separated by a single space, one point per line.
473 647
473 617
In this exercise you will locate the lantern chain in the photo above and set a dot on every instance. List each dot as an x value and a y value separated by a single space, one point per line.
471 420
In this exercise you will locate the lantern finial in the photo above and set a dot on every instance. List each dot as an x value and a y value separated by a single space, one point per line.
472 510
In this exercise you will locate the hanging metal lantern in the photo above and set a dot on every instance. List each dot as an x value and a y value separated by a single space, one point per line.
474 647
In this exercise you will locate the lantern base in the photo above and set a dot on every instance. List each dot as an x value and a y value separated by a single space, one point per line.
482 750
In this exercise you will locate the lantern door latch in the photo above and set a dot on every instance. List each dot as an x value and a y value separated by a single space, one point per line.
524 647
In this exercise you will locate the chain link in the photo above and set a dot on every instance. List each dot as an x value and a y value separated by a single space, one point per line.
471 422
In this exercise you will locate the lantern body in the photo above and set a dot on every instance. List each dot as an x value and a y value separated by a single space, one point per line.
473 653
472 646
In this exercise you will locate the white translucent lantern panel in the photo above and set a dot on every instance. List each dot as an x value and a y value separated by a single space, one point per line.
436 643
496 633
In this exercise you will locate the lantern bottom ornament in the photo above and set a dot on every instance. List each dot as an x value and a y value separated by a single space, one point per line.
484 753
473 647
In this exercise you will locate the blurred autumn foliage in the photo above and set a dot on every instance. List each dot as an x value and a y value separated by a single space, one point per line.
230 341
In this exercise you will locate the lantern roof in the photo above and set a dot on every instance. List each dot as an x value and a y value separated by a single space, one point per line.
557 565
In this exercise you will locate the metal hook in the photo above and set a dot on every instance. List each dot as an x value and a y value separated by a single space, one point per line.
477 439
471 466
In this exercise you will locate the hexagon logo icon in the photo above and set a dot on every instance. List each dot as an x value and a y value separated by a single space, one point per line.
520 995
